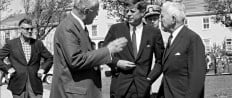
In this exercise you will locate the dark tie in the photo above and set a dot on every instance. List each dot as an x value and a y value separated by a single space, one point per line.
86 31
87 34
169 41
134 44
92 45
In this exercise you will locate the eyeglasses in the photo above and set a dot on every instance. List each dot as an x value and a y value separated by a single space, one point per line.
27 29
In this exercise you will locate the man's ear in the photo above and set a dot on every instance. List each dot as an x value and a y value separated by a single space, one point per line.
174 19
86 11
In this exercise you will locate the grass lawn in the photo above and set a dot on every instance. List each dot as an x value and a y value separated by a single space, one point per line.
215 86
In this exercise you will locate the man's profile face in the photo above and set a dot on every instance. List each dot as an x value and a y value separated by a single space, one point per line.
93 12
166 20
26 30
134 16
153 20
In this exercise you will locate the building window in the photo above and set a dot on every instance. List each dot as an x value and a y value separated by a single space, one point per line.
206 23
94 30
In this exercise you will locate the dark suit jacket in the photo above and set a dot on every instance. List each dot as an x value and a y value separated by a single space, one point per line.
151 43
183 67
74 62
14 51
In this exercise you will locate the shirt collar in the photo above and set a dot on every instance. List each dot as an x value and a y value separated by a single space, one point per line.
79 20
176 32
23 40
138 26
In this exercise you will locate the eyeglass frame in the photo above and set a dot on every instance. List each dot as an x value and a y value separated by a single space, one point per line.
27 29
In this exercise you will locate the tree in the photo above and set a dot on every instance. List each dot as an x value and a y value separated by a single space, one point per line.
4 4
117 8
222 9
46 14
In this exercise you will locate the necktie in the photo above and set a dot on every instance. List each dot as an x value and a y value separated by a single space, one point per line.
92 46
87 34
169 41
86 31
134 43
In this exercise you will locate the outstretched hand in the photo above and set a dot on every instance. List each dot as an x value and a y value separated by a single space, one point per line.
117 45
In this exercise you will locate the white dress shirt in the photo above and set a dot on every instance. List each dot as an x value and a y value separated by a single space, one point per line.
175 33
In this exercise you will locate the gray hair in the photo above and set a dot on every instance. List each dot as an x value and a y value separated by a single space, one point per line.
175 9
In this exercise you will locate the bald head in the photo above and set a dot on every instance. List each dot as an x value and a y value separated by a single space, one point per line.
86 10
81 5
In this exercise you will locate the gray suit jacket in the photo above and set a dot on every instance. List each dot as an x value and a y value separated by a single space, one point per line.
74 62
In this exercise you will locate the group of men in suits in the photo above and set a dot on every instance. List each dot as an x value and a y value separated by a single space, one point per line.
131 82
129 49
181 62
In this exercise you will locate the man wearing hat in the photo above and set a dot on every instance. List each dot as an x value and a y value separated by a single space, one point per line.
152 15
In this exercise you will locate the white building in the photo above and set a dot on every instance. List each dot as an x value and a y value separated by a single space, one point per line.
198 19
201 21
100 26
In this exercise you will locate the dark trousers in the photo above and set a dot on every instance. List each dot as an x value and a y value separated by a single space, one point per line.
132 92
154 95
28 92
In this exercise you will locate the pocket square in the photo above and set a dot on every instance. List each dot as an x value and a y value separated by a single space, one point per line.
148 45
178 53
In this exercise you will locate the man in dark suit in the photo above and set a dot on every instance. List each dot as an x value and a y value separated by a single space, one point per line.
183 62
131 66
76 68
24 54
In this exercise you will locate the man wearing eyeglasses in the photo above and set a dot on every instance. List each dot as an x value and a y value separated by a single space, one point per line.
24 70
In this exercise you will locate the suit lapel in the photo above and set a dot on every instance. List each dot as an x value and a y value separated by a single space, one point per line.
82 32
176 41
32 50
143 41
20 48
127 35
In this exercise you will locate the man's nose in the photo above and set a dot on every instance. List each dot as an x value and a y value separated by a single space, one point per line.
30 32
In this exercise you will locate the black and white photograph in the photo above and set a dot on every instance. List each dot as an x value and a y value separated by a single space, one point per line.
115 48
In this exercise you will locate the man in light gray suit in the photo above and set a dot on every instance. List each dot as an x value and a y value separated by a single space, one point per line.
76 63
